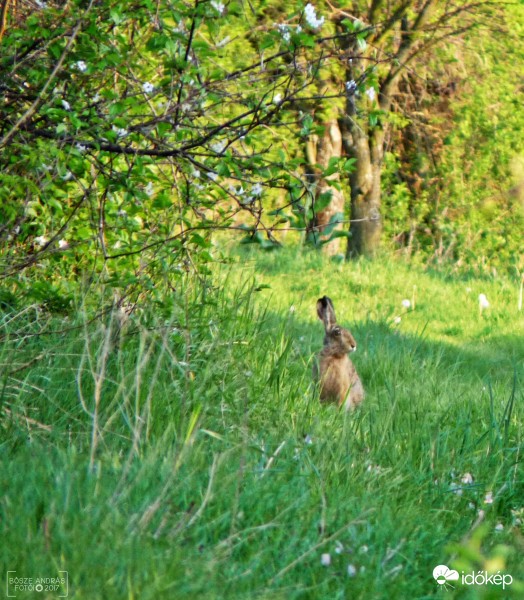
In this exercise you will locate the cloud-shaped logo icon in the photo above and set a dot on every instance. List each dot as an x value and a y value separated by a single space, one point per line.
442 574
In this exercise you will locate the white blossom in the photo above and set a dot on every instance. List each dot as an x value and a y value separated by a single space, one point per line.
63 244
488 499
284 32
352 570
122 213
308 440
370 93
41 3
120 131
277 99
81 66
499 527
339 547
212 176
257 190
298 29
397 320
41 240
148 87
406 303
219 147
81 148
66 105
68 176
218 6
311 17
196 174
149 189
351 86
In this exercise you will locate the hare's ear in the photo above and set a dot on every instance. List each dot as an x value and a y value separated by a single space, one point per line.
326 312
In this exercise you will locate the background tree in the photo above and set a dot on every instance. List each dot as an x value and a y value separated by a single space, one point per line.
388 38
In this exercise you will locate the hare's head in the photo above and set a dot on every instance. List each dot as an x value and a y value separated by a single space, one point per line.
337 339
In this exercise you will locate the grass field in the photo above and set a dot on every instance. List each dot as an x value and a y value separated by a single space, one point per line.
190 458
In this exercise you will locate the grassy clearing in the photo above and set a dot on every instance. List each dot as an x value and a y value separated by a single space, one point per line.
190 458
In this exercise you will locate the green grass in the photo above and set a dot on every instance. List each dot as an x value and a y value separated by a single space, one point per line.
174 461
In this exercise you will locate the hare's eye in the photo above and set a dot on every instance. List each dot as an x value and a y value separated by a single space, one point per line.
336 331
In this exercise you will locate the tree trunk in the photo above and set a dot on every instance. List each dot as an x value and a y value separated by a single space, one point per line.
367 148
320 151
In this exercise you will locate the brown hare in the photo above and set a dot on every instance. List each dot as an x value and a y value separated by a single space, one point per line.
334 371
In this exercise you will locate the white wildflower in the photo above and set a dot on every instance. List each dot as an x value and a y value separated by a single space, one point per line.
467 478
370 93
196 174
66 105
122 213
277 99
325 559
456 489
218 6
352 570
298 29
41 3
81 66
149 189
68 176
81 148
310 14
339 548
488 499
471 505
406 303
63 244
41 240
397 320
364 549
483 302
308 440
248 374
292 308
212 176
148 87
499 527
96 98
